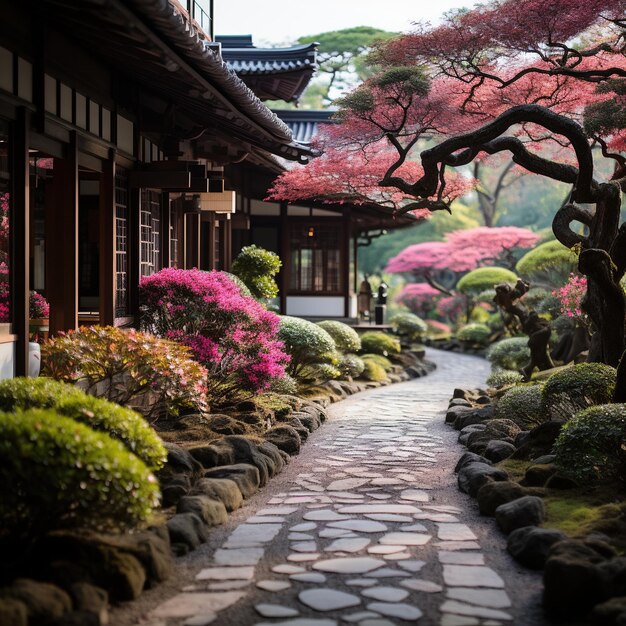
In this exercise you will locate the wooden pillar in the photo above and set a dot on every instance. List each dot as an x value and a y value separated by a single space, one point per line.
20 238
355 286
107 242
62 242
166 230
283 253
345 260
192 240
227 237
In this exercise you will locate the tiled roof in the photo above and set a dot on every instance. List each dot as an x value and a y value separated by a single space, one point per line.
303 123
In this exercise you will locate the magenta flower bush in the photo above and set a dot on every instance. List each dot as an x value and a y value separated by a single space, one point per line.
571 296
230 334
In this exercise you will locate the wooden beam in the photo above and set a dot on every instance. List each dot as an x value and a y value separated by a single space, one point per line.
345 261
20 238
62 242
283 251
107 242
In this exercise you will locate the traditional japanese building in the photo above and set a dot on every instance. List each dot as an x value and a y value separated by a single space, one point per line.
318 243
117 119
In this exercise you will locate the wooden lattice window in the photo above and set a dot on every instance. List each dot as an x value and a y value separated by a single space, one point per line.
150 232
174 238
121 242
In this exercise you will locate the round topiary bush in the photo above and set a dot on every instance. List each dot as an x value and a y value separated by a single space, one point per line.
578 387
383 361
474 333
550 263
378 342
484 278
285 385
522 405
57 473
305 342
373 371
256 267
590 447
409 325
119 422
502 378
346 339
351 365
509 354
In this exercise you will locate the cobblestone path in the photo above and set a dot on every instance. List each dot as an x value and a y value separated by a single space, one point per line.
365 527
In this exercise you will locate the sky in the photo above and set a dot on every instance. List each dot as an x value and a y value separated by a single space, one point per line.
280 22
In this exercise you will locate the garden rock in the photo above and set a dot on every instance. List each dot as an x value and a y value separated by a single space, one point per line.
225 425
521 438
530 545
246 476
455 412
171 494
539 441
493 494
459 402
475 416
285 438
310 422
179 460
211 512
79 618
44 602
470 457
474 475
90 599
13 612
461 393
222 489
246 451
299 427
537 475
558 481
187 529
121 574
610 613
207 456
499 450
272 452
573 581
501 429
545 459
525 511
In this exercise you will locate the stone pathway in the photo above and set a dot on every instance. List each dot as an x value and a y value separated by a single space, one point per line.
365 527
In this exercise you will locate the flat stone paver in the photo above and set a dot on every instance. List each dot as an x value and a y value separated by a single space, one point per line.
365 526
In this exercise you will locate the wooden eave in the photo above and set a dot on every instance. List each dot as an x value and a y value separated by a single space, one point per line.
155 44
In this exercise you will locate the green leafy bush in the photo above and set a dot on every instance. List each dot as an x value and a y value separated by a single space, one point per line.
575 388
373 371
484 278
377 342
409 325
522 405
135 369
351 366
502 378
286 385
474 333
383 361
550 263
346 339
56 473
563 324
319 372
256 267
509 354
119 422
591 446
305 342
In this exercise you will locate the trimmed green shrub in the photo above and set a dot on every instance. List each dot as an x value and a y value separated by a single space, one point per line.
509 354
383 361
550 263
256 267
286 385
319 372
351 365
131 368
591 446
377 342
575 388
502 378
474 333
563 324
119 422
522 405
305 342
56 473
373 371
484 278
346 339
409 325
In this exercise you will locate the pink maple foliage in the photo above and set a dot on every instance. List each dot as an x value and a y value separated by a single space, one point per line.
419 298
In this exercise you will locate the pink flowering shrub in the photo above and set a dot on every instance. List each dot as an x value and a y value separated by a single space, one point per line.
419 298
38 306
571 296
230 334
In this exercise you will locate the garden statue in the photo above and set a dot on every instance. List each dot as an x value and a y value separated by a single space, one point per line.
364 299
537 329
382 293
